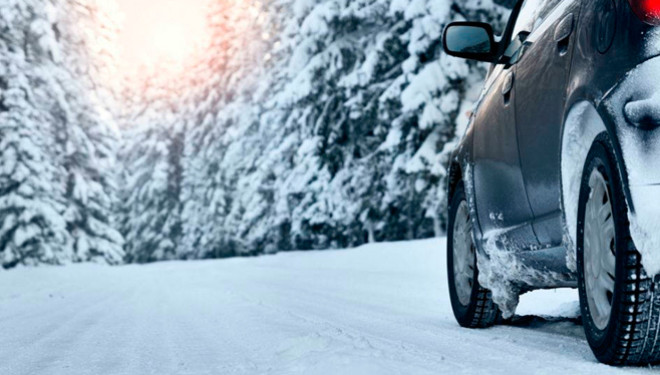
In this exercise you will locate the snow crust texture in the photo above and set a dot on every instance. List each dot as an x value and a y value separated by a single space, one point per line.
506 276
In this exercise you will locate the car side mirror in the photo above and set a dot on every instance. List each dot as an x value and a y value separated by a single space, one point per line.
470 40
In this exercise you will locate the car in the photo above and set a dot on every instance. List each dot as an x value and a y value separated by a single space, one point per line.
556 182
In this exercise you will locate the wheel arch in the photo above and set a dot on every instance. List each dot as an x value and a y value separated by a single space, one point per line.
583 123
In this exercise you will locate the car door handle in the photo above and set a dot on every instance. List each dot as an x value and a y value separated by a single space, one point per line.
564 29
507 87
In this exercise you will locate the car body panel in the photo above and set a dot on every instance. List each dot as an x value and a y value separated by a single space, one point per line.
542 75
500 197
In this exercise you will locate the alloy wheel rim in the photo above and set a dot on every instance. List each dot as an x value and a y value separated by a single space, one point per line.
599 251
463 254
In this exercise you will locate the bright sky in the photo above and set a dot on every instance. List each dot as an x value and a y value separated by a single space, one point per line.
160 30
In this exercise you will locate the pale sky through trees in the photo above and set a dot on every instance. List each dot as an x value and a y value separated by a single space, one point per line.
164 30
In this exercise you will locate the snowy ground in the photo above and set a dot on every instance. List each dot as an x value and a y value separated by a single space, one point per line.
380 309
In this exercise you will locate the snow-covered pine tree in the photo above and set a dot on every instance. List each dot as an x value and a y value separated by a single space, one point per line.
58 148
374 102
32 181
223 140
318 123
151 179
91 146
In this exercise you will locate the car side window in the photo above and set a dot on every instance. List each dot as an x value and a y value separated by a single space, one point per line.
532 14
529 17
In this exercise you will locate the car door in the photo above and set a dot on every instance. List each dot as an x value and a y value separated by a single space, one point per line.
541 75
499 189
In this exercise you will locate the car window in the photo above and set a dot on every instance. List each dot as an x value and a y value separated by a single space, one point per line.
529 18
532 14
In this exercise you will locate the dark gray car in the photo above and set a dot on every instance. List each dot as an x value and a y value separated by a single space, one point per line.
556 182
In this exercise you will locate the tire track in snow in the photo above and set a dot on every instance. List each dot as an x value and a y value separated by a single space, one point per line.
58 340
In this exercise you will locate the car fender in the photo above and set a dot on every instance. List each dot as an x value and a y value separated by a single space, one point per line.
582 125
460 169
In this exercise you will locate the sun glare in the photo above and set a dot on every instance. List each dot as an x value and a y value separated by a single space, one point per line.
157 32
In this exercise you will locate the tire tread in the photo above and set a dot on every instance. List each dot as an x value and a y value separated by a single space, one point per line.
486 313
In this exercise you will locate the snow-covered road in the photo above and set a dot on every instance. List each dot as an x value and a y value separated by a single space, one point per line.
381 309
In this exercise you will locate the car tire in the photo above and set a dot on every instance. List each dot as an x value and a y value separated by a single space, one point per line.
472 304
620 310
